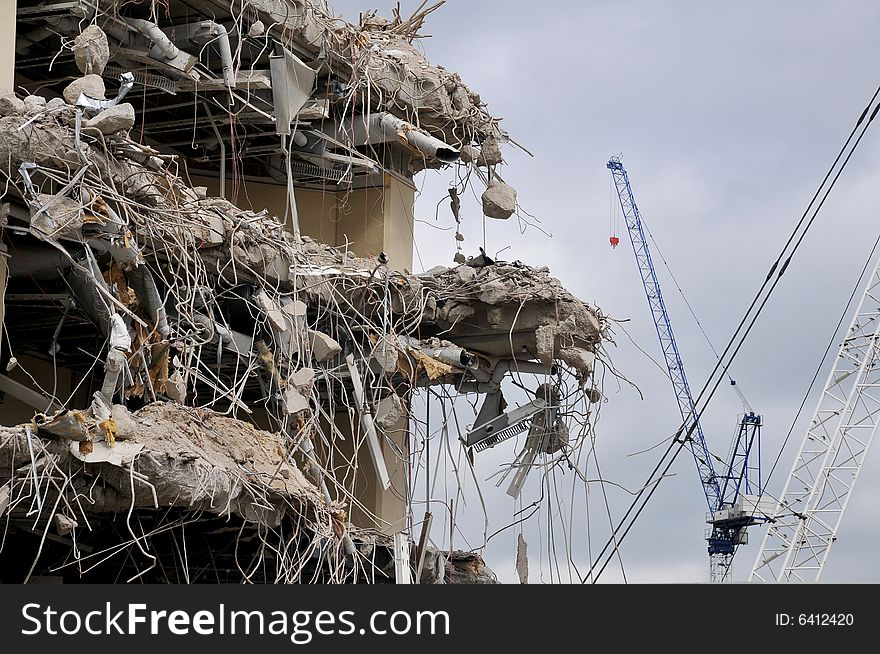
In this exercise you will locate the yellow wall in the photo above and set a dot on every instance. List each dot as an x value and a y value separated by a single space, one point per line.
373 220
383 510
400 200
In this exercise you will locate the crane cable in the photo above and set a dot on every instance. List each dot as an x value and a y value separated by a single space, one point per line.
737 339
733 383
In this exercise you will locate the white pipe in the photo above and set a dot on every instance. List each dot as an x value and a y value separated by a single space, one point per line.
409 134
198 32
222 151
222 35
156 35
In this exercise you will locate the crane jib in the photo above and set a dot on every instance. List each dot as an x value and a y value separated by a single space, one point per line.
690 419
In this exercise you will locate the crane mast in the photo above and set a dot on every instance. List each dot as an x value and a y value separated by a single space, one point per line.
806 520
732 495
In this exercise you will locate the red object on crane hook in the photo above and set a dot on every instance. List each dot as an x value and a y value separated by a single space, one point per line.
615 241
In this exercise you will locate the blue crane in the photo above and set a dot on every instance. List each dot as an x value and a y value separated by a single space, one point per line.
731 496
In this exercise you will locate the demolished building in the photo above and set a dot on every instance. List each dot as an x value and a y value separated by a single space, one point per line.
212 334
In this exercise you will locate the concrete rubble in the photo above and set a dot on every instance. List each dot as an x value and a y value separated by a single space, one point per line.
213 341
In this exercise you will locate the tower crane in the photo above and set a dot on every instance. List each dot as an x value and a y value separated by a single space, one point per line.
733 495
806 519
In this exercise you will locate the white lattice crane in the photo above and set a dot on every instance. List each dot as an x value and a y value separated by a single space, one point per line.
807 518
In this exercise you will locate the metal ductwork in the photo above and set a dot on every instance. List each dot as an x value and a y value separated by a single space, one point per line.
38 262
206 31
156 35
383 127
451 355
141 280
83 280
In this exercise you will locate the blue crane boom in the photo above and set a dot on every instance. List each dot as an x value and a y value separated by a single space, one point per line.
727 495
690 420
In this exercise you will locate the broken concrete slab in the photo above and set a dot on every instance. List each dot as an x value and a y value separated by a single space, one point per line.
272 311
126 426
466 274
175 388
34 104
323 346
55 104
91 85
493 291
545 340
117 118
10 105
499 200
56 216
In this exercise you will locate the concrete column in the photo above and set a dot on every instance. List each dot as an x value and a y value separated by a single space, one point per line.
7 83
399 214
7 44
391 504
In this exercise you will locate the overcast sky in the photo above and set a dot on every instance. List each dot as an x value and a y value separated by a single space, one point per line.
727 116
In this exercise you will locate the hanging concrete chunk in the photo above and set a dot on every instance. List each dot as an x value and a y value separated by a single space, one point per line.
324 348
499 200
386 354
115 119
490 153
64 525
91 51
91 85
294 402
522 559
303 379
583 361
296 310
469 154
390 412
